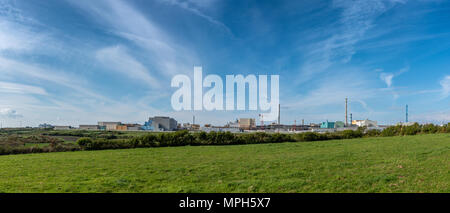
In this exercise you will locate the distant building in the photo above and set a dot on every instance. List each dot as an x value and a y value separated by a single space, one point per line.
247 123
339 124
406 124
108 125
148 126
365 123
121 127
62 127
45 126
89 127
133 127
327 125
220 129
234 124
159 123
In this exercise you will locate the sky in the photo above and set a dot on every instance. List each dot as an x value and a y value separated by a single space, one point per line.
70 62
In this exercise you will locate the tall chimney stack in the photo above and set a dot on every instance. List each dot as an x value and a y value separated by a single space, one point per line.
346 117
351 119
279 106
406 113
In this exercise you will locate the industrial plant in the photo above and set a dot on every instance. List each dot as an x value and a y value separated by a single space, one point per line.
164 123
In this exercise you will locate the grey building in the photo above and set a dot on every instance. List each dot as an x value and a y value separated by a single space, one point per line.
160 123
62 127
103 125
89 127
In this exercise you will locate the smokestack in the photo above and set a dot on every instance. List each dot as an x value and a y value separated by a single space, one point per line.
346 121
279 106
406 113
351 118
193 119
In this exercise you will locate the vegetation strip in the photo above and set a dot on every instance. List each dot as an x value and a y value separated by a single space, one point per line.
99 140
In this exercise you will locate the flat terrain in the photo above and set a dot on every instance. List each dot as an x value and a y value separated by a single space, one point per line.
383 164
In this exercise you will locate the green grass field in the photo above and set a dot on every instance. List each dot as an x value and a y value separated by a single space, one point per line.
383 164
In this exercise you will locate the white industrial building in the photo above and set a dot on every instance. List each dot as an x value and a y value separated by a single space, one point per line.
365 123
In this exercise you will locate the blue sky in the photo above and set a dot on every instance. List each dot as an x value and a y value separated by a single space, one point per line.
71 62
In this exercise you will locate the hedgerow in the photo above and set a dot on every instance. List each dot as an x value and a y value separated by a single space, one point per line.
14 144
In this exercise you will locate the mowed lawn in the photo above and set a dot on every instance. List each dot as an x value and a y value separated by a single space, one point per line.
384 164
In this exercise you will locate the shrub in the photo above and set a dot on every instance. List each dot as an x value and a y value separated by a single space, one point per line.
391 131
411 130
310 136
349 134
373 133
429 129
84 142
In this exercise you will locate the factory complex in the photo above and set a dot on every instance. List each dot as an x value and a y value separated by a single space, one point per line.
164 123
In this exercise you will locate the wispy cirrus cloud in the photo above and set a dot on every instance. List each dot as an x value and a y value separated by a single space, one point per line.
118 60
355 19
125 21
7 87
192 6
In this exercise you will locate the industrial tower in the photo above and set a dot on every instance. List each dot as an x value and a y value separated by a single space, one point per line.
346 117
406 113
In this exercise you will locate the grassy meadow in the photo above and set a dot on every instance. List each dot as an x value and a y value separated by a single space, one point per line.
381 164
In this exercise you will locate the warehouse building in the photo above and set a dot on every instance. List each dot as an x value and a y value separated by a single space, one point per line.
89 127
327 125
108 125
365 123
160 123
247 123
62 127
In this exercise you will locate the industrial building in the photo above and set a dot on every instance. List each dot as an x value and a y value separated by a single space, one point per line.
160 123
62 127
133 127
247 123
339 124
364 123
103 125
45 126
327 125
220 129
89 127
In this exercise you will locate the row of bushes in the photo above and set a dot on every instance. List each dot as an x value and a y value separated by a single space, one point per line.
184 138
414 129
9 150
85 133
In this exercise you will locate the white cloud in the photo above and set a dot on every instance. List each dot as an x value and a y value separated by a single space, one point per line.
9 113
445 86
117 59
17 37
7 87
387 78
